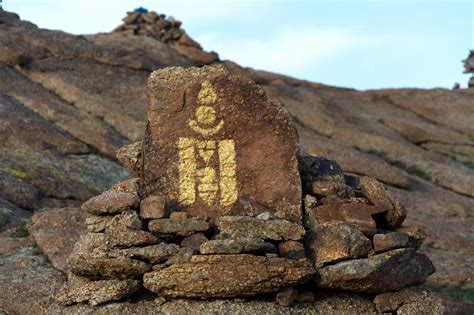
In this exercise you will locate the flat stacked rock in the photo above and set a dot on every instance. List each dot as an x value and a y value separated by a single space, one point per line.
166 30
216 210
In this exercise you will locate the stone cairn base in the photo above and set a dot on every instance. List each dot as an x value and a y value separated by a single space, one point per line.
351 239
166 30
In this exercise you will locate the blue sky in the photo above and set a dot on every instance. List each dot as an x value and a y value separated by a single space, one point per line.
360 44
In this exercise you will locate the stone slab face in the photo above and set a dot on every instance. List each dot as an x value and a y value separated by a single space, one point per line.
211 139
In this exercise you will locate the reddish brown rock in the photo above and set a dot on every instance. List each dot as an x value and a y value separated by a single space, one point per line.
379 196
416 235
56 231
129 155
287 296
110 202
211 276
389 271
389 241
129 185
330 242
97 223
153 207
358 215
194 241
154 254
201 151
291 250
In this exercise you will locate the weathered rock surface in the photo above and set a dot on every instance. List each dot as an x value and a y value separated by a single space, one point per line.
237 246
329 242
359 215
389 271
153 254
386 242
291 250
78 290
191 159
170 227
379 196
27 282
90 258
11 216
211 276
17 191
194 241
98 223
412 300
242 226
56 231
324 304
129 155
125 237
111 202
153 207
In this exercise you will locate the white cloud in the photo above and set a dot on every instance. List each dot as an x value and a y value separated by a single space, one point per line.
290 49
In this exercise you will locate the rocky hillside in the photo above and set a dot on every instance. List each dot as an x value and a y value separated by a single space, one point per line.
68 102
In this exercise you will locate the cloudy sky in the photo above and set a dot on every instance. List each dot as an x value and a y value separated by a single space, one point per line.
363 44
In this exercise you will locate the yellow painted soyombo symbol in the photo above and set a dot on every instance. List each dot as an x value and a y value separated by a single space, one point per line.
205 178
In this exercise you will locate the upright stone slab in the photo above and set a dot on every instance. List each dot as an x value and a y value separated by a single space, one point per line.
213 138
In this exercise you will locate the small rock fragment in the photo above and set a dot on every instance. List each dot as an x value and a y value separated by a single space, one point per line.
246 206
129 156
97 224
310 203
331 188
153 254
178 215
314 169
153 207
287 296
389 241
194 241
126 219
416 235
111 202
376 193
125 237
129 185
265 216
291 250
184 254
333 241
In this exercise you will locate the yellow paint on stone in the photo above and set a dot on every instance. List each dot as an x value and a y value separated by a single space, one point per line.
207 95
205 178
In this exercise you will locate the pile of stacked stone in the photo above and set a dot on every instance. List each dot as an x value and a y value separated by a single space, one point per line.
469 68
216 208
152 24
166 30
